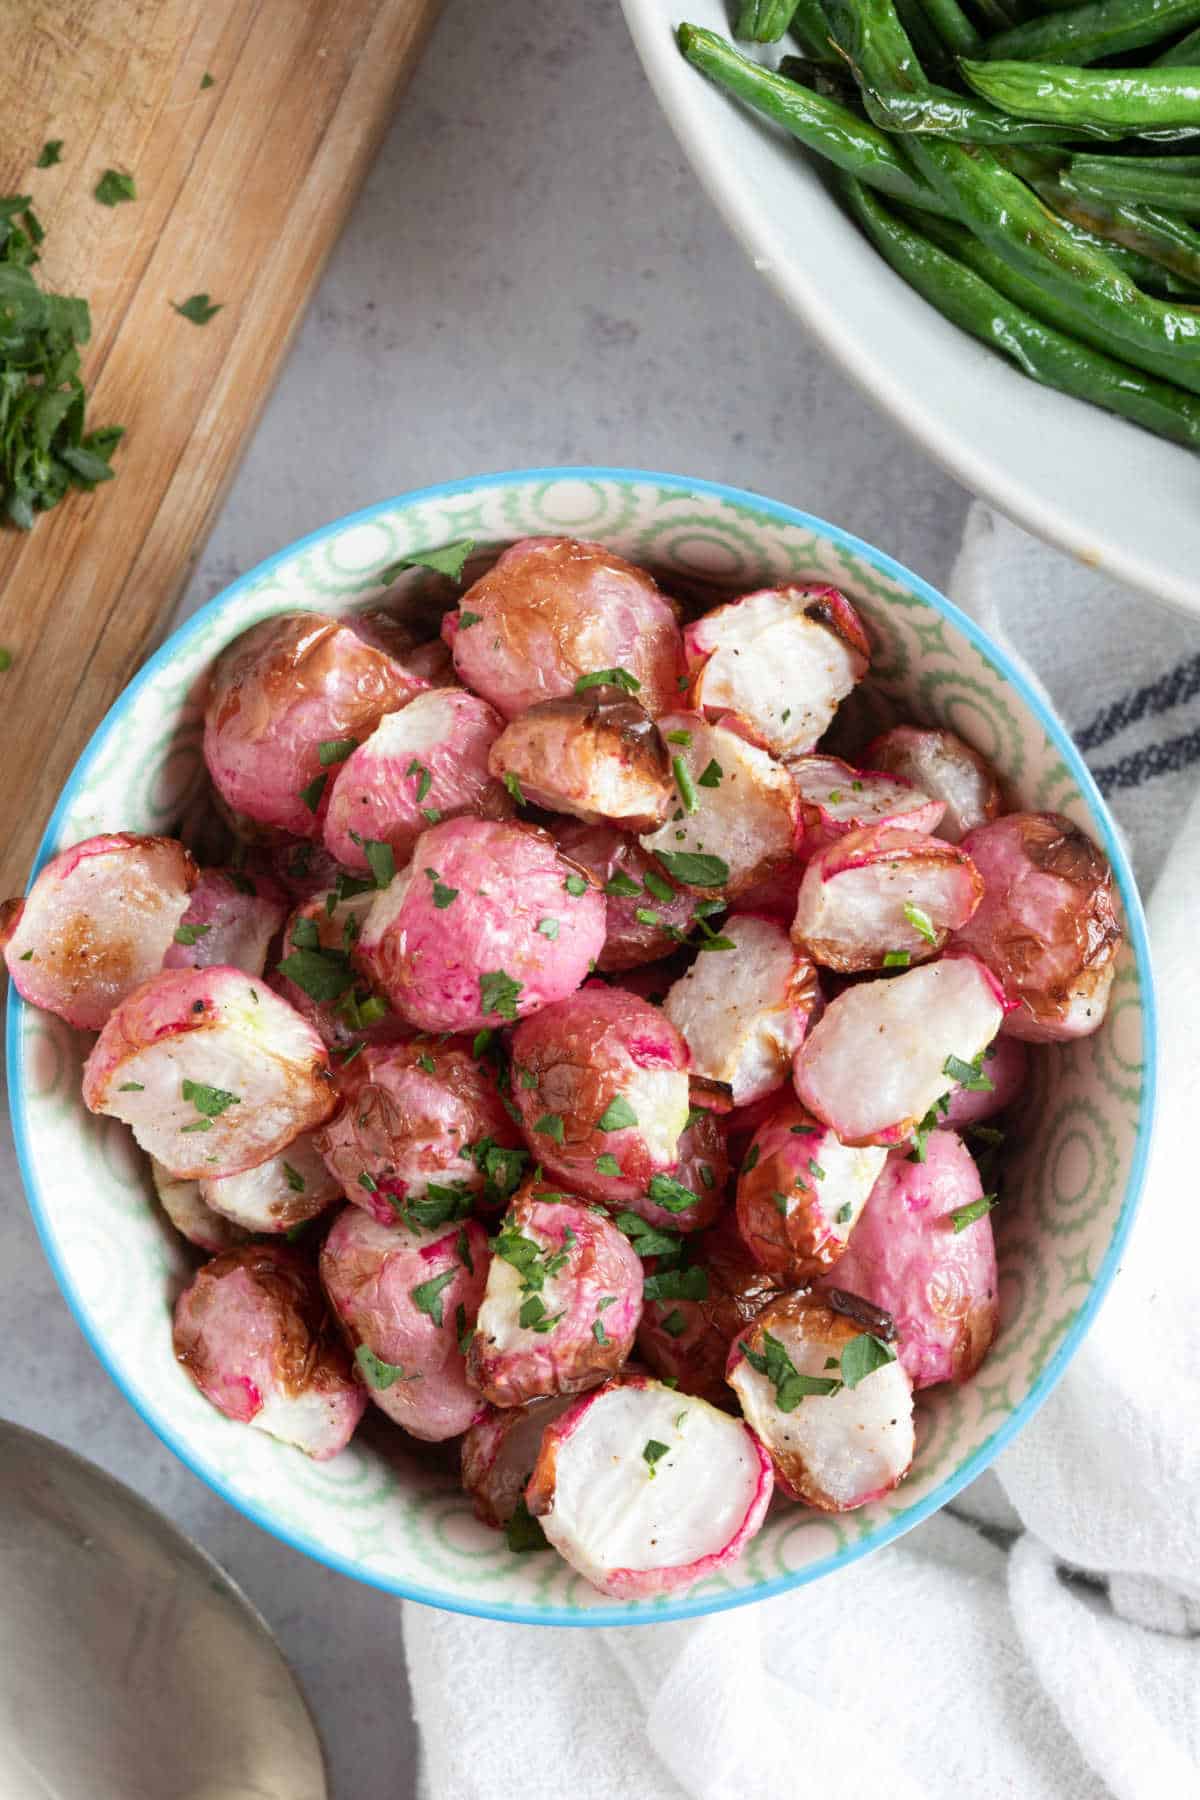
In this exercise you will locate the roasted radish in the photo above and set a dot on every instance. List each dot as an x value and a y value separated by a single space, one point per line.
691 1196
691 1316
277 1195
498 1454
253 1332
285 697
835 799
427 762
828 1399
600 1081
192 1217
1001 1078
486 924
597 755
885 1050
1047 926
744 1007
734 819
212 1071
647 915
96 923
231 919
923 1251
944 767
407 1301
781 659
423 1133
553 612
883 898
645 1491
318 975
800 1193
563 1300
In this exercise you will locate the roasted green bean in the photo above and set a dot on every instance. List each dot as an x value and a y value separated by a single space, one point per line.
953 27
1137 102
1183 55
764 21
1171 182
822 124
1154 237
1048 355
1086 34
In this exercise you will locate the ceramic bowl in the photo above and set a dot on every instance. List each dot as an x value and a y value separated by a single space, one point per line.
388 1511
1116 497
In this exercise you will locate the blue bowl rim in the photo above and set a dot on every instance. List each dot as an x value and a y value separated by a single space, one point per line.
1050 1375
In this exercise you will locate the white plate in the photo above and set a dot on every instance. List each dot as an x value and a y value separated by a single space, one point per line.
1113 495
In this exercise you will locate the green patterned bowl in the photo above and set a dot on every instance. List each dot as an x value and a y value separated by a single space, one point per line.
386 1511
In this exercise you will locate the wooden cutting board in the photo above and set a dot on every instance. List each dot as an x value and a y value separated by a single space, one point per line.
242 187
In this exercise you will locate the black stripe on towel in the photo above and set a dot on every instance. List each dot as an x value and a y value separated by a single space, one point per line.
1179 685
1156 759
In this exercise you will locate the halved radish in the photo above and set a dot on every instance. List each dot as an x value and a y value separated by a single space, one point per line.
192 1218
407 1301
596 755
691 1196
230 920
883 897
644 1490
286 1190
923 1251
426 761
885 1050
835 799
1047 927
254 1334
499 1452
96 923
838 1437
800 1193
781 658
943 766
736 822
563 1300
744 1010
212 1071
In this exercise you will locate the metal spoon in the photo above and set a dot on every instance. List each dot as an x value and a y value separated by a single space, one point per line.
131 1667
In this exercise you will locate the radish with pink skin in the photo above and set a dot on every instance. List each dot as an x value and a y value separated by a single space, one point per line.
427 761
801 1192
231 919
212 1071
1006 1066
406 1301
417 1116
304 871
735 821
835 799
600 1081
883 896
553 610
782 659
644 1491
691 1196
276 1195
946 768
499 1452
253 1332
279 692
96 923
633 883
487 924
685 1339
192 1217
563 1300
938 1283
744 1011
838 1438
877 1061
596 755
1047 926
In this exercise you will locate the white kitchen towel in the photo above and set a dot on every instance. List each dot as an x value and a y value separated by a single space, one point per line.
1039 1639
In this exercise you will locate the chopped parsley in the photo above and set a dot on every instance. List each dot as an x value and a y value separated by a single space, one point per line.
576 885
652 1452
675 1284
657 888
713 775
323 975
113 188
368 1181
132 1087
644 916
498 993
618 1115
752 1156
426 1062
551 1125
378 1374
548 928
443 896
197 309
335 750
844 1214
424 778
607 1165
968 1215
780 1202
647 1239
815 1169
441 1204
969 1075
920 921
467 619
694 869
51 153
598 1332
427 1295
620 886
680 737
448 560
191 934
608 678
209 1102
685 784
431 814
791 1387
311 795
896 959
671 1194
674 1324
523 1532
512 782
293 1178
862 1356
